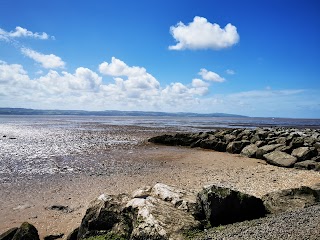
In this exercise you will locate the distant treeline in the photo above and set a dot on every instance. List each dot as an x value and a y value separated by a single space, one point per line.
26 111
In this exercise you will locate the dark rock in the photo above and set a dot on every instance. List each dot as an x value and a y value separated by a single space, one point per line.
280 159
8 235
249 151
317 145
297 142
219 205
61 208
304 153
73 235
307 165
266 149
26 232
53 237
291 199
236 146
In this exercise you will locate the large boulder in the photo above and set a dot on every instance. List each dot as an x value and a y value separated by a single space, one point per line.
266 149
219 205
155 213
8 235
290 199
280 159
249 151
304 153
236 146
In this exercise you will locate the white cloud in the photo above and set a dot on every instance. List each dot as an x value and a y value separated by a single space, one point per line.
12 73
46 61
210 76
230 72
20 32
201 34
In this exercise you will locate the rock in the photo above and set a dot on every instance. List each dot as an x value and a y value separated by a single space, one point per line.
266 149
280 159
304 153
26 232
236 146
73 235
308 165
61 208
220 205
250 150
160 212
8 235
296 142
291 199
317 145
53 237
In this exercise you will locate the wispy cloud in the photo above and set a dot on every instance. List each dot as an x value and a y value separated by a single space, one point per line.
201 34
21 32
230 72
49 61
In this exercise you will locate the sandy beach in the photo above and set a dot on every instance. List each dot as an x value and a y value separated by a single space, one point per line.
45 167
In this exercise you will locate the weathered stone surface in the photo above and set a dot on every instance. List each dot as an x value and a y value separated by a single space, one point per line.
219 205
8 235
250 150
236 146
73 235
160 212
308 165
304 153
266 149
280 159
26 232
291 199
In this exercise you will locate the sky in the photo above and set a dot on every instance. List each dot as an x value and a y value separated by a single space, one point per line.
254 58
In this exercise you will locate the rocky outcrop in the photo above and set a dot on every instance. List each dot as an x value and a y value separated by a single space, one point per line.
220 205
282 147
25 232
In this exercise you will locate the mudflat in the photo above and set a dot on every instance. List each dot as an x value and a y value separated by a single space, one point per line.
50 173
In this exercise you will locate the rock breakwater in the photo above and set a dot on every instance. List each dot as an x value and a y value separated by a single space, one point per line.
283 147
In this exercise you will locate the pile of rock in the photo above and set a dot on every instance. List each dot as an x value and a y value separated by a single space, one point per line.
163 212
278 146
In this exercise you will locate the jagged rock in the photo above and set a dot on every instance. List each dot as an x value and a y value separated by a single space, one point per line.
304 153
250 150
160 212
280 159
26 232
297 142
236 146
308 165
291 199
220 205
8 235
53 237
73 235
266 149
105 214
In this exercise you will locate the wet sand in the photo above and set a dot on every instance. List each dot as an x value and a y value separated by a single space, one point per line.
74 179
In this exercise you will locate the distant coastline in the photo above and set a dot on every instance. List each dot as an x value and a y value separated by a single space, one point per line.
27 111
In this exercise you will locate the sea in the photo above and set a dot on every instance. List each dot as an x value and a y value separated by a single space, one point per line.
180 123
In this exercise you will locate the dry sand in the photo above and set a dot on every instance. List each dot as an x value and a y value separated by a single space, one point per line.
29 197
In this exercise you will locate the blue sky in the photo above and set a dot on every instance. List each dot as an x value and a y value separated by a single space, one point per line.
256 58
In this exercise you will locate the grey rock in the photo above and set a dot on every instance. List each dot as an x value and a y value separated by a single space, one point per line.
266 149
308 165
236 146
220 205
280 159
291 199
304 153
250 150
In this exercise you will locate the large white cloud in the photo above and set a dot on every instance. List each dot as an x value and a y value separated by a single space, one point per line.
20 32
46 61
210 76
201 34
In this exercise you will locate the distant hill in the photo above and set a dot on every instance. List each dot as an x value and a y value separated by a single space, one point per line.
26 111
